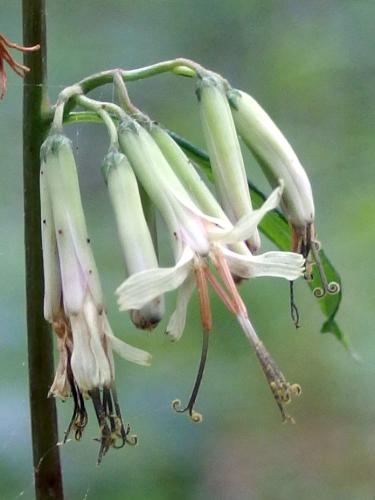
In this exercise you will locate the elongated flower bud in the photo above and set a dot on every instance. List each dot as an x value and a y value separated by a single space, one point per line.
135 238
224 152
275 156
77 264
162 185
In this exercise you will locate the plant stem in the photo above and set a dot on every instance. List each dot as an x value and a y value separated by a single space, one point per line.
47 471
180 66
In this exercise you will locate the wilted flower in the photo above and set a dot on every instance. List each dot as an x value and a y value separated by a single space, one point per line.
74 302
5 56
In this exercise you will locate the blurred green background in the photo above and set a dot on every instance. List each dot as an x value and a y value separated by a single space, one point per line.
310 64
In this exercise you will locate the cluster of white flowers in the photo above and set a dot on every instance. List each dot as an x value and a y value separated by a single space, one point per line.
214 241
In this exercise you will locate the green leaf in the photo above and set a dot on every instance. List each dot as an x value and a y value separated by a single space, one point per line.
276 228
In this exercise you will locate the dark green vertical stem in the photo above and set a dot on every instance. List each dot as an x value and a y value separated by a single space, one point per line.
47 470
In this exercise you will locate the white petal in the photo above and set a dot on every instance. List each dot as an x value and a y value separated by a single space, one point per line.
176 324
83 363
142 287
95 322
286 265
127 351
247 225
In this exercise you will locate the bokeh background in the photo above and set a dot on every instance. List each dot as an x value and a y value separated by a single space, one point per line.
310 64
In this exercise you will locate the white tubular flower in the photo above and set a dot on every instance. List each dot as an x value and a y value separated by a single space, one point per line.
224 151
190 226
73 298
276 157
201 239
144 286
134 234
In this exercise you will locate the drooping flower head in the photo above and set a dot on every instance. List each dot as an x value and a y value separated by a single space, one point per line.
201 240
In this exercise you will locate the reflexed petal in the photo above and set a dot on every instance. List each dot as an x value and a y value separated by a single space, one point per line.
247 225
176 324
286 265
126 351
142 287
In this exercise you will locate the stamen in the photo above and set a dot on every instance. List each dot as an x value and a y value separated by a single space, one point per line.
204 299
131 440
281 389
226 276
328 287
176 404
293 307
79 418
205 310
302 239
106 411
222 294
106 436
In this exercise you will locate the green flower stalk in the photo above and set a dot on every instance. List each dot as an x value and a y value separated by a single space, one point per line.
74 301
224 151
134 234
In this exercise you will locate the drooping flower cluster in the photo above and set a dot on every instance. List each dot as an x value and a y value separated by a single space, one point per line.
215 240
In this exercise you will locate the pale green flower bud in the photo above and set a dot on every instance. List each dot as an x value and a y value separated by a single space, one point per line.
276 157
224 151
77 265
135 238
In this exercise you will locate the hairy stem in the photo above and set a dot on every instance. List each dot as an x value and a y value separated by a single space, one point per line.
47 470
